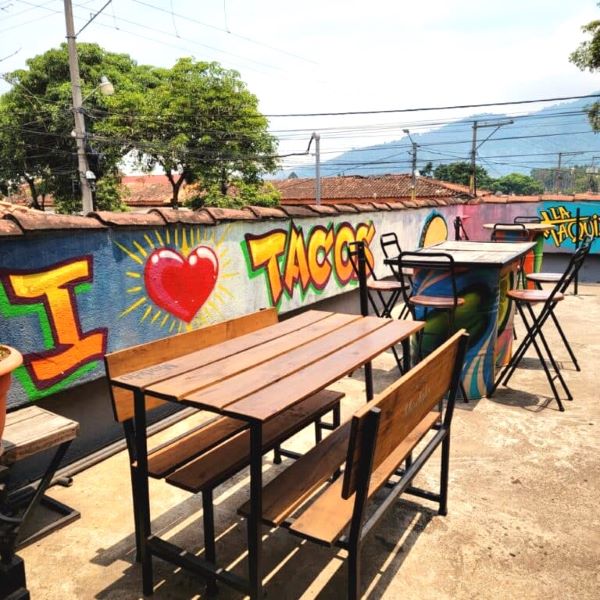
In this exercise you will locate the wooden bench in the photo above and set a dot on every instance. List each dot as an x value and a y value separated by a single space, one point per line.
212 452
315 504
29 431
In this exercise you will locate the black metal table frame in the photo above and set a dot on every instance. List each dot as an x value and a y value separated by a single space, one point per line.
151 545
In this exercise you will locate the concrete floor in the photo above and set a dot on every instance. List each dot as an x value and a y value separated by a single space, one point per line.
523 517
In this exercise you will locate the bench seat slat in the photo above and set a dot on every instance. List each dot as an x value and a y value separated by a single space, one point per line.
326 518
283 495
33 429
222 461
167 458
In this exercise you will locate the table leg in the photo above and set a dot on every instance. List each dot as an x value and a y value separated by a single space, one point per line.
141 491
406 355
254 522
369 380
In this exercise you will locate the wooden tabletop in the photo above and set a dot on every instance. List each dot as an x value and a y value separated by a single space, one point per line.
259 375
541 227
480 253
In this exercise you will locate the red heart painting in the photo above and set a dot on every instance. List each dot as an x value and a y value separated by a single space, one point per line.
181 285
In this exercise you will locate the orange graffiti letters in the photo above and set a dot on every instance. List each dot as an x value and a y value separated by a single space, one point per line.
54 287
291 259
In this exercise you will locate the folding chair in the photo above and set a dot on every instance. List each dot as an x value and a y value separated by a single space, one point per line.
527 219
366 281
386 291
509 232
430 305
459 230
525 300
391 249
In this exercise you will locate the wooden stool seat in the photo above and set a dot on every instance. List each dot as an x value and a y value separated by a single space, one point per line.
384 285
436 301
544 277
534 296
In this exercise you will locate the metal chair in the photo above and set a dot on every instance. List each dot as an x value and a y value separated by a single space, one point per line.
368 284
527 219
509 232
386 291
426 305
525 300
391 249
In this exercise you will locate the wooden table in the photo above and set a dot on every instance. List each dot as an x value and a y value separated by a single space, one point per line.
485 271
255 386
536 233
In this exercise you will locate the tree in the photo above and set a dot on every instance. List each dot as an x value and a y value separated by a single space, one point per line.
587 57
199 122
518 184
239 194
427 170
36 120
460 172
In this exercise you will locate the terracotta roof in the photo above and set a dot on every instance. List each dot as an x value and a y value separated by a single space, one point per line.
153 190
352 188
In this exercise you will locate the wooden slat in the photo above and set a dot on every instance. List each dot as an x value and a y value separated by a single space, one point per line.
226 363
33 429
225 392
327 517
159 351
179 366
284 494
224 460
403 405
272 399
169 457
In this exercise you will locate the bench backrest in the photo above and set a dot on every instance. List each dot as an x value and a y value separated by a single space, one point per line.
153 353
402 406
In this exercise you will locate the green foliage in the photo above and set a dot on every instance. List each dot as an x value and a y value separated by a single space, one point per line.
427 170
460 172
198 121
572 180
518 184
587 57
240 194
36 146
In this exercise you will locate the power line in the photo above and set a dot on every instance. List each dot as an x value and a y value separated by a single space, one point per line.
430 108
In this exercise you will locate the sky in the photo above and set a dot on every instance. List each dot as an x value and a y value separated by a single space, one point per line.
320 56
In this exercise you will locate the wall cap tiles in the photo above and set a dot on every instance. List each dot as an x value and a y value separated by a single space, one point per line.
266 212
128 219
189 217
31 221
228 214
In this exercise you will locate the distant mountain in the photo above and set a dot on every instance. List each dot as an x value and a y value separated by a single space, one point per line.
531 142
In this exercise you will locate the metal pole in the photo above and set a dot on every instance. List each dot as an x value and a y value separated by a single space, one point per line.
558 185
414 170
82 162
473 167
317 138
577 236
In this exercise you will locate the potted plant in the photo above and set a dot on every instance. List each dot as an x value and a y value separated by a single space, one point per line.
10 359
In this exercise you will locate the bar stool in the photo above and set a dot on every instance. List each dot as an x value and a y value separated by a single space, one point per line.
527 219
364 273
512 232
442 263
525 300
391 249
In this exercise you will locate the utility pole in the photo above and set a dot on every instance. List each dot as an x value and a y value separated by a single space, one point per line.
475 147
413 154
558 178
315 136
82 161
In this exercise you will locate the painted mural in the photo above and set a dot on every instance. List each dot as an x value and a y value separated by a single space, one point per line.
294 259
564 218
68 297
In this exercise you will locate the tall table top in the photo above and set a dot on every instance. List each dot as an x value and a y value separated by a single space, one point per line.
537 227
479 253
259 375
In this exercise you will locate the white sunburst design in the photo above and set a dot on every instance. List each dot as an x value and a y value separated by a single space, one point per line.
179 245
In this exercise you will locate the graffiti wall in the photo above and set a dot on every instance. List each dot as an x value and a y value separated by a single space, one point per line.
561 215
564 218
67 298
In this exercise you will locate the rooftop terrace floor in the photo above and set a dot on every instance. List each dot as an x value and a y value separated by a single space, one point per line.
523 520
